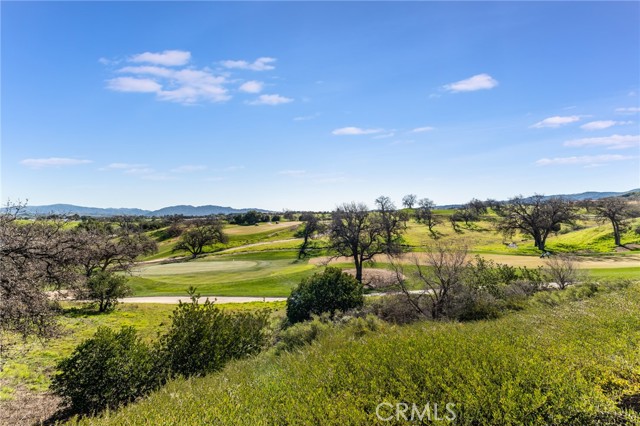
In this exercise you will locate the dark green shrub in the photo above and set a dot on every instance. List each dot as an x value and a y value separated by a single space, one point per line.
202 338
329 291
105 288
106 371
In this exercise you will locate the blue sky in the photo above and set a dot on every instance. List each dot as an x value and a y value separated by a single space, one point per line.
308 105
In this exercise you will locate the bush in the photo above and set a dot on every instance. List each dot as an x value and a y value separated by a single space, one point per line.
105 288
202 338
395 308
329 291
108 370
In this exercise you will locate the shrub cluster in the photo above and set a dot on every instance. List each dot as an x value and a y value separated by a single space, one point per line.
114 368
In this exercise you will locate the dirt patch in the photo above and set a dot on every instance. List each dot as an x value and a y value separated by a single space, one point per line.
376 278
27 408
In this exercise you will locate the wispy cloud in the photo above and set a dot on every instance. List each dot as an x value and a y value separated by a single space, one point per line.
260 64
41 163
167 58
477 82
307 117
123 166
294 173
252 87
351 131
136 85
385 135
189 168
610 142
270 100
422 129
629 110
587 160
603 124
556 121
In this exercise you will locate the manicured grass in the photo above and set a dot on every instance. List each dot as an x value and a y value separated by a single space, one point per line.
565 365
222 276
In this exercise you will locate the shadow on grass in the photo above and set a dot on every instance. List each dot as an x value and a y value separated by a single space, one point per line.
87 310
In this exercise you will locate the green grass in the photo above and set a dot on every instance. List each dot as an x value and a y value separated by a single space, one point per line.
32 365
254 275
563 365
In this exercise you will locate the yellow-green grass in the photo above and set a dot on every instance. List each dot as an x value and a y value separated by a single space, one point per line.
563 365
253 275
32 363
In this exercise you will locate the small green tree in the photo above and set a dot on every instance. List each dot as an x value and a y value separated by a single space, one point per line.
106 371
105 288
330 291
202 233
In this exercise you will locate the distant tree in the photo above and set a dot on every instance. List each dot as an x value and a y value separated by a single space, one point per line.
615 210
425 214
466 214
392 222
357 233
201 233
311 226
476 206
275 218
537 216
330 291
409 200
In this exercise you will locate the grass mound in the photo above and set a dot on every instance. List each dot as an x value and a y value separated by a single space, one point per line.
576 362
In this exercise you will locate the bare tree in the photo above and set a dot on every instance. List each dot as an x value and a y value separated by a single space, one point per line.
537 216
616 210
357 233
393 223
409 200
201 233
35 256
311 227
102 250
426 215
563 270
441 273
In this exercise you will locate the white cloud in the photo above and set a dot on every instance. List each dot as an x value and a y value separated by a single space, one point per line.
295 173
136 85
167 58
270 100
385 135
556 121
189 168
588 160
630 110
122 166
611 142
40 163
477 82
603 124
139 171
422 129
252 87
307 117
260 64
186 86
350 131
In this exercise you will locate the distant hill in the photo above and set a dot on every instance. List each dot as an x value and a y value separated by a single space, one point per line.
70 209
597 195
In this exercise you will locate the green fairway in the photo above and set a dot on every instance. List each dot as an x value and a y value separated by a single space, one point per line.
222 276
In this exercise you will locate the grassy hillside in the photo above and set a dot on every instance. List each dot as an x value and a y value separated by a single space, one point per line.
574 363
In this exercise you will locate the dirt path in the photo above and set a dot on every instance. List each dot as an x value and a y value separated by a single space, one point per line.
587 262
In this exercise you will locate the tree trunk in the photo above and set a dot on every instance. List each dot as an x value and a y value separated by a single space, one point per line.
616 232
358 264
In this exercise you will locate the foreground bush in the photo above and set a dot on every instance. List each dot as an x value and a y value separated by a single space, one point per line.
105 371
202 338
330 291
114 368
